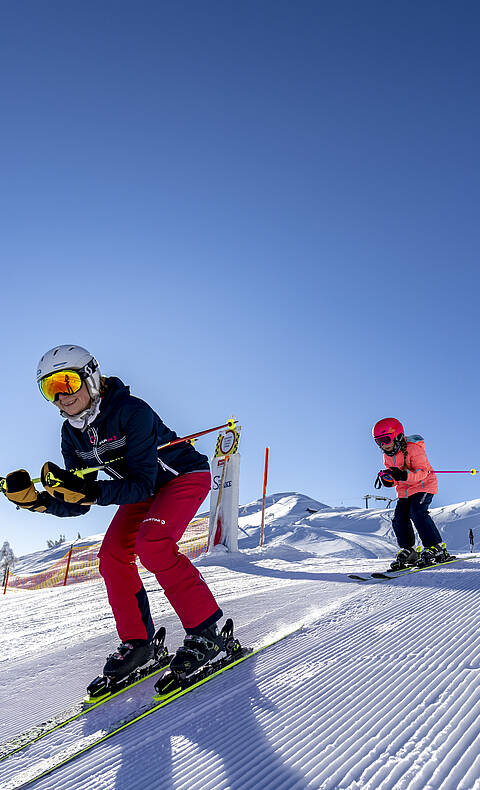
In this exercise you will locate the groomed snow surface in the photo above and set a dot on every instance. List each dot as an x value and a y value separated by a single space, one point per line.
377 688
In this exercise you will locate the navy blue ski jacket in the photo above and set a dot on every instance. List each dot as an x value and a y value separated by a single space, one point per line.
126 428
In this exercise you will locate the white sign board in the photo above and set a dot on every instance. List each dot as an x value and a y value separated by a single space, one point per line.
224 496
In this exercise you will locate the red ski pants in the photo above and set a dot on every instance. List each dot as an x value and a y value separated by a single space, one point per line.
151 529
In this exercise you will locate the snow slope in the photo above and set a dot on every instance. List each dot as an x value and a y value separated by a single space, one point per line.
378 687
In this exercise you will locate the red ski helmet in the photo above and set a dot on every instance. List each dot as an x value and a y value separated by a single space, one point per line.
388 430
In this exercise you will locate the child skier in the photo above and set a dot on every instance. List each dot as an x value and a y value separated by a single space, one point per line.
408 468
158 493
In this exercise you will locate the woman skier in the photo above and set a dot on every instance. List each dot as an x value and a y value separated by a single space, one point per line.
408 469
158 493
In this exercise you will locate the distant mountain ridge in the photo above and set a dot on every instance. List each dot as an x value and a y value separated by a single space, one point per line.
311 526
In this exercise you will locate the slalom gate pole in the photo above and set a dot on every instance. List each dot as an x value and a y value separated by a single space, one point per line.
6 581
89 470
265 474
68 565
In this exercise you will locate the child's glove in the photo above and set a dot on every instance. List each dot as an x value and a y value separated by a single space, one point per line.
397 474
66 486
384 478
20 490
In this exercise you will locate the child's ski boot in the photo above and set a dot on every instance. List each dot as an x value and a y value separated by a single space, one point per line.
433 555
404 559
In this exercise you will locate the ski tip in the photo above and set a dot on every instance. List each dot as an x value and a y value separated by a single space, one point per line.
88 700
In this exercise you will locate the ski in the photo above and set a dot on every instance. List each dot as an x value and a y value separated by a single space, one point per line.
390 575
238 657
104 693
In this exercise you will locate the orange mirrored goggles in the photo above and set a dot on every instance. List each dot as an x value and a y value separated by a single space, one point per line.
67 381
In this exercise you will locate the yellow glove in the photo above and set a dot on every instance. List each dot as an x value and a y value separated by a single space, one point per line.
20 490
66 486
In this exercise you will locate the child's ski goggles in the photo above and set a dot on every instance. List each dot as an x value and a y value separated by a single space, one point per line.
385 439
66 381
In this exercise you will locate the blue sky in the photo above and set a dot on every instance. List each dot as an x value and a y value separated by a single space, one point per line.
267 209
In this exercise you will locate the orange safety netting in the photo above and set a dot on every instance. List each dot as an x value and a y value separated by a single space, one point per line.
80 563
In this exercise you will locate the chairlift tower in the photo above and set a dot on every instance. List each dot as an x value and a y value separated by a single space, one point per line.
381 498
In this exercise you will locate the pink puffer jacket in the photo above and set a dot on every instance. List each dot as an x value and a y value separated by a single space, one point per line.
421 477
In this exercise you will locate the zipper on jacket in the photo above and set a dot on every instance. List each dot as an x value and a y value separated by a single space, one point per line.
167 468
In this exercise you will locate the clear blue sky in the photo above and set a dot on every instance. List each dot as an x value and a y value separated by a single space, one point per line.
264 208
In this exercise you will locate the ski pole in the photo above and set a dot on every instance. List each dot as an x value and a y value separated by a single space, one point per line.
456 471
390 480
90 469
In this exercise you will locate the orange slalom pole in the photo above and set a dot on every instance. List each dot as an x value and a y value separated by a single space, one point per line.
68 565
6 581
265 475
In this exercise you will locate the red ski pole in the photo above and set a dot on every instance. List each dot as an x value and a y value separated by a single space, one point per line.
81 472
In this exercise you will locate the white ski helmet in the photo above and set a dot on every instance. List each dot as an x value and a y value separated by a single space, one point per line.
70 357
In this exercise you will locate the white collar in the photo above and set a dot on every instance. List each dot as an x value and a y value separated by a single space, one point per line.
85 417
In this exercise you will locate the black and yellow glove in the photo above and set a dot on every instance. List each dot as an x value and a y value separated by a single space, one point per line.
20 490
66 486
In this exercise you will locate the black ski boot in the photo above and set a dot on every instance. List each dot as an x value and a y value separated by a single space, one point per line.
134 660
432 555
404 559
196 650
197 658
131 654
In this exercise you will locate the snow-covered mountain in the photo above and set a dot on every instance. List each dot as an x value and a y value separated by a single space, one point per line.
376 688
301 522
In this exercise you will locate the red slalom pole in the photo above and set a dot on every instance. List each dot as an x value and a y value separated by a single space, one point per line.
265 475
229 424
68 565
